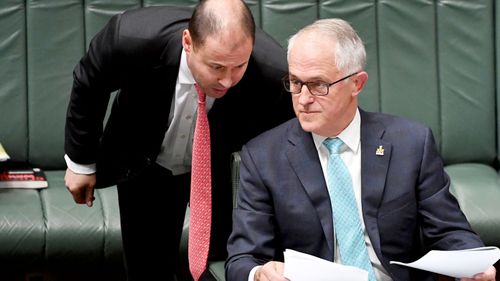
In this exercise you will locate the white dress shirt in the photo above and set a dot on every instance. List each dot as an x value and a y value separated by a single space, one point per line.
350 153
176 149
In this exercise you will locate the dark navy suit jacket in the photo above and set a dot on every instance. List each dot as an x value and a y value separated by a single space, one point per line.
283 200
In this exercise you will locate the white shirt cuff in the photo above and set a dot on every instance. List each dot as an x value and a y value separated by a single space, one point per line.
85 169
252 273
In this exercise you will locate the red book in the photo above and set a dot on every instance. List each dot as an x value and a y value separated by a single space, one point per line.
23 178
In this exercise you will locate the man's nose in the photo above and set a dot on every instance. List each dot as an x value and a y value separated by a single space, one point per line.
305 96
226 80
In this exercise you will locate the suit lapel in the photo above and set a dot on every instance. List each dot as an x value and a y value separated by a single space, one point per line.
166 72
375 157
304 160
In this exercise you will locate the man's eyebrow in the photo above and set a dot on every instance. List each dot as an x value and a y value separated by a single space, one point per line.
242 64
215 63
311 79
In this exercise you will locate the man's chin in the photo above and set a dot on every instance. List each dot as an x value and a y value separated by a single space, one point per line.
307 125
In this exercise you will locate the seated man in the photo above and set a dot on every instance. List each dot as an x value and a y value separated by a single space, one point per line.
339 183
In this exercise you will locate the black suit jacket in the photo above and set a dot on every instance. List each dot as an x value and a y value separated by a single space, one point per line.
138 54
283 200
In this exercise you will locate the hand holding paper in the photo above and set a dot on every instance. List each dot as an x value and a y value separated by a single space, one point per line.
459 263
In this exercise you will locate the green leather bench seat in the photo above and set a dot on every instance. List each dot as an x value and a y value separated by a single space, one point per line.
44 229
477 188
433 61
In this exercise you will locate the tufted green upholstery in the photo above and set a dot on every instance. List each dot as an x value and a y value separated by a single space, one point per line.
435 61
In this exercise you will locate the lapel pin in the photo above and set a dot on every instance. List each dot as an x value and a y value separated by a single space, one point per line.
380 151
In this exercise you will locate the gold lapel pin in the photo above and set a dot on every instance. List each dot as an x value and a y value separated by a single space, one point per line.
380 151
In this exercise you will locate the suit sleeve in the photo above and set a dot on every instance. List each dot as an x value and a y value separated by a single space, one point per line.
253 237
444 226
95 78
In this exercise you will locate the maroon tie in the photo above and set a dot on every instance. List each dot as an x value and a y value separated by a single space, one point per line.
200 203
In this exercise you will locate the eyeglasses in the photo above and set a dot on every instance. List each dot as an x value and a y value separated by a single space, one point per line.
315 88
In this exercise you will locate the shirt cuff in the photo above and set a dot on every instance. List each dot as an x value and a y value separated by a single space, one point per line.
85 169
252 273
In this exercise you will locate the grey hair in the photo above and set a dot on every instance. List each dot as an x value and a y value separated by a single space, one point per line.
350 54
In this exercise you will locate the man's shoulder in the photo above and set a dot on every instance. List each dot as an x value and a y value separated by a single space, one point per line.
152 21
166 13
144 33
268 54
274 136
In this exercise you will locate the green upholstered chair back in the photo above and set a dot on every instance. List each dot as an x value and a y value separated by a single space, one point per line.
40 44
433 61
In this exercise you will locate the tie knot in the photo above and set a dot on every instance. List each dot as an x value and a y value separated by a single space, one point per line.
201 95
333 145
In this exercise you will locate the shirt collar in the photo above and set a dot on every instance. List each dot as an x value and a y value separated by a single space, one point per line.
185 76
351 135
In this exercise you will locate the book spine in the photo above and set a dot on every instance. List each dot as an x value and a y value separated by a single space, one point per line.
11 176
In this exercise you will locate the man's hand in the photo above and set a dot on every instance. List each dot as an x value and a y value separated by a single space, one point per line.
488 275
81 187
271 271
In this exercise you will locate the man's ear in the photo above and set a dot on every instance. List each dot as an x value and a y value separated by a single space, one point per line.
359 82
187 42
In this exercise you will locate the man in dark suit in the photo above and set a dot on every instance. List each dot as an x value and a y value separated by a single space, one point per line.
400 191
153 57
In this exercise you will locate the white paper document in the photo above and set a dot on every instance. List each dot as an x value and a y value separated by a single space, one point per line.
303 267
3 154
459 263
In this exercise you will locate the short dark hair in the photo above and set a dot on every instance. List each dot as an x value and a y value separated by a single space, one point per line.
204 22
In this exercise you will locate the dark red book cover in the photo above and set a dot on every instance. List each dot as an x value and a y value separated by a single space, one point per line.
22 178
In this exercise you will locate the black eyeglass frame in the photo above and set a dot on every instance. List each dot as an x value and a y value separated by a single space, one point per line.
286 80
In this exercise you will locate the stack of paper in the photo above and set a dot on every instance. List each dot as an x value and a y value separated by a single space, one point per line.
459 263
304 267
3 154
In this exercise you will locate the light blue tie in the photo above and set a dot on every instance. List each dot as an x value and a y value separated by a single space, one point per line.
350 237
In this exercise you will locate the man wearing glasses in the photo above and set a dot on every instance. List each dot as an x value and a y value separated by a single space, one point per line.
339 183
